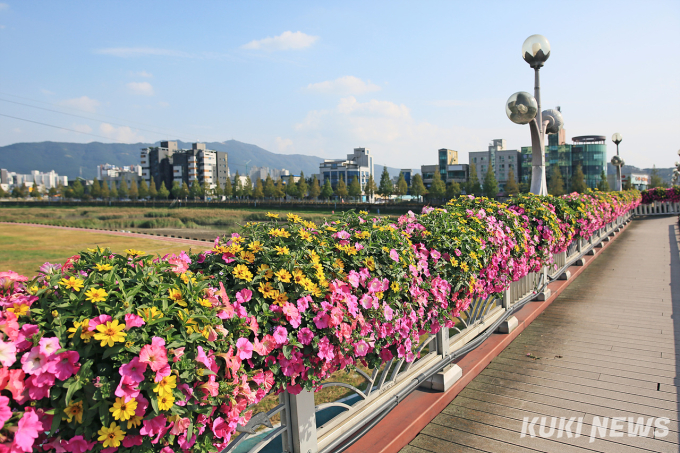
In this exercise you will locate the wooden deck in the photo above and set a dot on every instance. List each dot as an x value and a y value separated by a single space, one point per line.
608 346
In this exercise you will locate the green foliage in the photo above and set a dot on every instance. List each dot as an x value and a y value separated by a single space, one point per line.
655 179
386 187
228 189
144 189
401 188
341 190
437 188
355 188
302 187
291 187
370 188
603 185
280 189
453 190
578 181
96 189
556 183
134 190
184 190
258 193
327 189
176 189
417 187
163 192
473 187
314 188
123 191
269 187
511 187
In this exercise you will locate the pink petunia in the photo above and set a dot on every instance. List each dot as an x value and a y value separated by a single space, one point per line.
280 335
154 355
220 428
6 411
78 444
135 369
132 441
132 320
23 340
34 362
27 431
48 346
65 365
388 312
127 388
394 255
244 348
305 335
94 322
244 296
361 348
8 353
153 426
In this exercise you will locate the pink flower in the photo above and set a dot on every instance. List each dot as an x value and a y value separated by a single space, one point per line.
221 428
326 350
49 346
367 301
34 362
177 353
78 444
65 365
23 339
94 322
28 430
132 441
388 312
358 246
180 427
305 335
244 348
8 353
394 255
361 348
292 314
135 369
353 278
5 411
281 335
132 320
154 354
267 345
303 303
153 426
127 388
244 296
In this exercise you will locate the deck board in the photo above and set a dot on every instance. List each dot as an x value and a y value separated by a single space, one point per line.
608 346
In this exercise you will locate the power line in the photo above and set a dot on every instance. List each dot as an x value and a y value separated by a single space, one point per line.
87 118
59 127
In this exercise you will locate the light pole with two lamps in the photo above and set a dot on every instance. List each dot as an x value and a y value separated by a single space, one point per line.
617 161
523 108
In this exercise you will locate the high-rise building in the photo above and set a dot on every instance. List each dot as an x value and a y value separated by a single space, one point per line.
501 161
448 167
359 164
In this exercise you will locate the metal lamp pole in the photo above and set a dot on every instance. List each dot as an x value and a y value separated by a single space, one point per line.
617 161
522 108
676 172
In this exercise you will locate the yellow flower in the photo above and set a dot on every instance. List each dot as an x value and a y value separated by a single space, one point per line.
298 276
55 313
339 264
185 277
241 272
363 212
175 295
272 215
266 289
149 313
294 218
279 233
248 256
330 228
255 246
306 235
74 410
85 334
308 224
283 276
454 262
110 333
111 436
74 283
19 309
134 422
133 252
370 263
103 267
205 303
379 294
281 298
96 294
394 286
473 255
465 267
123 408
166 385
264 268
282 250
165 402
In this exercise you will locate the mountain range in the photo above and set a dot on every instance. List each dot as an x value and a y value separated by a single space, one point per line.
82 159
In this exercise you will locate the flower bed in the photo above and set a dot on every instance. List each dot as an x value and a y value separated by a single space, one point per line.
670 195
133 353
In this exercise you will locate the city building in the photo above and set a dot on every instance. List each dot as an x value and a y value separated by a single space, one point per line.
639 181
166 164
44 180
446 157
588 151
359 164
448 167
110 174
500 159
262 173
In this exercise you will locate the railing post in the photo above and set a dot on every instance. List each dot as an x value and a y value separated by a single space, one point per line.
443 341
301 417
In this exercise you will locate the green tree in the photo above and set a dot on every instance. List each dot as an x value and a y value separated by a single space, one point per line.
123 191
314 188
354 188
134 191
511 187
280 191
163 192
386 187
248 187
153 192
370 188
35 191
291 188
195 189
238 185
627 185
417 187
175 189
473 187
302 186
105 192
143 189
524 187
401 188
453 190
556 184
78 189
269 187
259 189
490 183
51 193
341 189
228 189
655 179
603 185
327 189
96 189
205 190
113 191
438 187
184 191
578 181
217 191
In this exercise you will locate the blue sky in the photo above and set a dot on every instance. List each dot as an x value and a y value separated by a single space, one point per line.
320 78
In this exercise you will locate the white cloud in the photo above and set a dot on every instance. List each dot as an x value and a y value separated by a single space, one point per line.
82 103
121 134
285 41
142 88
3 6
284 144
164 104
126 52
82 128
142 74
47 92
343 86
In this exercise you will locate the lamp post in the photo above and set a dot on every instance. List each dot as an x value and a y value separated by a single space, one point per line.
676 171
523 108
617 161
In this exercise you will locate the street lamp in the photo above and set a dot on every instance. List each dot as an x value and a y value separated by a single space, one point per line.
676 172
617 161
523 108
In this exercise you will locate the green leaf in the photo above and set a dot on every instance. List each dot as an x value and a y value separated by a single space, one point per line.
287 350
154 405
73 387
112 350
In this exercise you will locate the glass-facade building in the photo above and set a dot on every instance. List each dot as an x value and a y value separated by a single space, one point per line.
589 151
359 164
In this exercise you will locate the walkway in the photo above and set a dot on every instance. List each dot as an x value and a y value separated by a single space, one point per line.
608 346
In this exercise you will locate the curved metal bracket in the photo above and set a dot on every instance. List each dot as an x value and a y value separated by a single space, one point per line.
539 186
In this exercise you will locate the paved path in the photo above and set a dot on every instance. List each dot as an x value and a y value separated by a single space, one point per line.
196 243
608 346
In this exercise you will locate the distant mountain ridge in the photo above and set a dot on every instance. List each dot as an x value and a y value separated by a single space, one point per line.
81 159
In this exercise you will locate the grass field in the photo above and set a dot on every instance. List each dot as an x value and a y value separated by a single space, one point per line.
24 249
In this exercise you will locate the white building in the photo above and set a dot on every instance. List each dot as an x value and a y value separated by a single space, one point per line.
359 164
500 159
45 181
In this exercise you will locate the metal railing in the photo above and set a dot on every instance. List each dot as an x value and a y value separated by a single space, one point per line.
658 208
308 427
